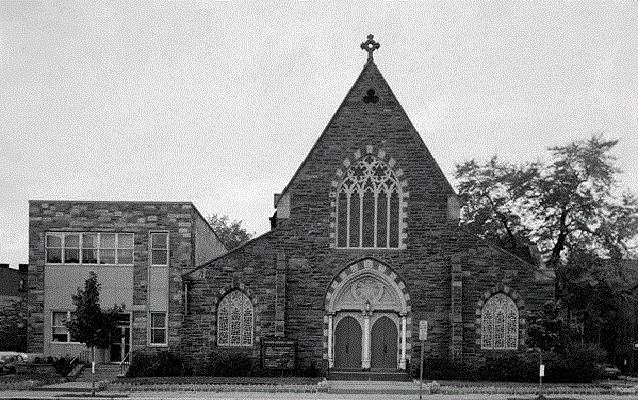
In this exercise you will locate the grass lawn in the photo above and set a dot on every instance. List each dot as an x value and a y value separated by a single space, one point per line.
26 380
203 380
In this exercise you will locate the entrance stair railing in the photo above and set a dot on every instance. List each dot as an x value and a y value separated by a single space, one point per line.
125 364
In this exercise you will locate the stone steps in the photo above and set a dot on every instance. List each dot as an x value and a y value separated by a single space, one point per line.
103 372
380 375
372 387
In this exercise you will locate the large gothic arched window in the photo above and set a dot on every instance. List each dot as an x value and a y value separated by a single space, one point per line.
235 320
368 205
499 323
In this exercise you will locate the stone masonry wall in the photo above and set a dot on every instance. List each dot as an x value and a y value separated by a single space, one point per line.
435 246
139 218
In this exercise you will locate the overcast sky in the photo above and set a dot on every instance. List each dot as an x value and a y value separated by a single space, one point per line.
219 102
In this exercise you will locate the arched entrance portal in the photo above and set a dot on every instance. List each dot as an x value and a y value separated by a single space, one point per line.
367 318
384 343
348 344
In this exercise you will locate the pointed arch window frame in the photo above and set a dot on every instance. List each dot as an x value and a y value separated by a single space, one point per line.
235 320
395 230
500 323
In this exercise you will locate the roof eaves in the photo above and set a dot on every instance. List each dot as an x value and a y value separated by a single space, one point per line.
332 119
499 248
219 257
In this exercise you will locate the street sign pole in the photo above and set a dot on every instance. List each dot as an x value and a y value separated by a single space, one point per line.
423 336
421 380
541 373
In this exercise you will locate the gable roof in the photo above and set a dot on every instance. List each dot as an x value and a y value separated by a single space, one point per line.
370 73
228 253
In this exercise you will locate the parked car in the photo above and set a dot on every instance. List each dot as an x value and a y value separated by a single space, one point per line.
25 357
608 371
8 363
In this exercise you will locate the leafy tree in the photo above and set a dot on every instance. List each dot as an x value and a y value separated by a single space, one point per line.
548 330
568 203
231 233
90 324
594 287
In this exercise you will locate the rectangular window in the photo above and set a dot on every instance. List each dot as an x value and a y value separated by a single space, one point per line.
159 248
71 248
158 328
107 248
125 248
89 248
54 247
59 331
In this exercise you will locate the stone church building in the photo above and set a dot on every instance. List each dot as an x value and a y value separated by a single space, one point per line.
365 247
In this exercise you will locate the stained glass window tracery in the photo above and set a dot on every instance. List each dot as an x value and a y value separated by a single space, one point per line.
368 205
499 323
235 320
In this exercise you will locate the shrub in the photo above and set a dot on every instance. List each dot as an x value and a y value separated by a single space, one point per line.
509 367
441 369
64 365
162 363
228 364
312 371
497 367
578 364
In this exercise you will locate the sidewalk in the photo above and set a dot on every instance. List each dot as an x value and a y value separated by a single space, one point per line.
330 390
354 390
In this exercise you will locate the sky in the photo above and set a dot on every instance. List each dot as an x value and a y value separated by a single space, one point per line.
218 103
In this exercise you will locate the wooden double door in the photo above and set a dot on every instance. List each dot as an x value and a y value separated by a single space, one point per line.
349 349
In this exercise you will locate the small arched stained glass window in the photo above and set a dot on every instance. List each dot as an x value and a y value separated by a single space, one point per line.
368 205
235 320
499 323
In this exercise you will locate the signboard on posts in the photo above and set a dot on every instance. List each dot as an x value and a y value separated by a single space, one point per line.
423 330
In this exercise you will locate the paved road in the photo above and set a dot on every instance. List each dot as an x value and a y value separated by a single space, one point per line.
282 396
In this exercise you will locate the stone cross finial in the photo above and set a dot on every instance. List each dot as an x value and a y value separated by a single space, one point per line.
370 46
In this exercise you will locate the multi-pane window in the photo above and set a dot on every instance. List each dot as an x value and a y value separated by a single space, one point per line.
59 331
499 323
159 248
158 328
235 320
89 248
368 205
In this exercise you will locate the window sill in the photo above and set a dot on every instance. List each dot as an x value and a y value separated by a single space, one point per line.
497 350
87 265
370 248
236 346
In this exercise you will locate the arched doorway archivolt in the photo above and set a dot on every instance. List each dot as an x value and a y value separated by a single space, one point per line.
368 291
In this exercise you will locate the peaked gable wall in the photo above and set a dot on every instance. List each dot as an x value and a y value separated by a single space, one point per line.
357 124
